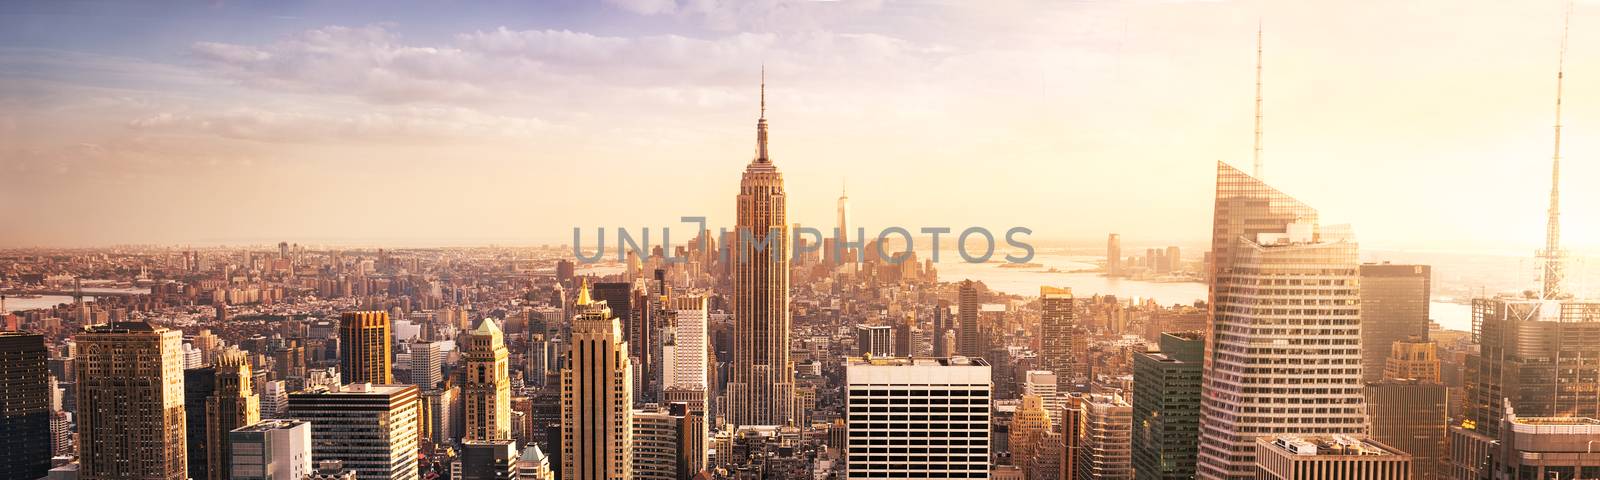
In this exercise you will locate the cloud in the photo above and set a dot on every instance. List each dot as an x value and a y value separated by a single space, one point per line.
403 124
761 15
552 69
645 7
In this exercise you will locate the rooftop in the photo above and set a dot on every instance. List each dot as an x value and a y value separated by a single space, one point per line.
267 425
956 361
1339 445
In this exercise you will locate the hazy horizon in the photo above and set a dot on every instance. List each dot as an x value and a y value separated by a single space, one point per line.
471 124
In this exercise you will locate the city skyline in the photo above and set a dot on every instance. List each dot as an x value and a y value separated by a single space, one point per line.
278 117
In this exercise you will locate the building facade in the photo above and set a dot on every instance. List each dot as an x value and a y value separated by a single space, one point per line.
130 402
1329 458
596 396
364 356
1055 333
25 440
760 387
486 392
233 403
270 450
1411 415
945 433
1166 407
1394 307
371 430
1541 357
1105 450
1284 293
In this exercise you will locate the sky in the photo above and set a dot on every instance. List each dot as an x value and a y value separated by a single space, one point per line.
1424 124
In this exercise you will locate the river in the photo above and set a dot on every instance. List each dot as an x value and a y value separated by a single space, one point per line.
15 304
1026 282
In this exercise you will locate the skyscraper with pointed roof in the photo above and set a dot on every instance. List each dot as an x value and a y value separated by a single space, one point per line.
1283 355
596 396
487 389
761 385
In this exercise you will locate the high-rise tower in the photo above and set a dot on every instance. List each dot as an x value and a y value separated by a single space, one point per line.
488 386
596 396
761 384
25 406
1269 251
847 257
1055 333
1394 307
364 348
968 336
130 402
233 404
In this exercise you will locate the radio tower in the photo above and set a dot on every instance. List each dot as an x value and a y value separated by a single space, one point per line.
1257 156
1552 254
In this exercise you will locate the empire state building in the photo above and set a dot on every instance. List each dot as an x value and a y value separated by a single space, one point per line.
761 384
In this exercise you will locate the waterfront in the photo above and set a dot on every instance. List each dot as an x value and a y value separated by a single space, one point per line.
1026 282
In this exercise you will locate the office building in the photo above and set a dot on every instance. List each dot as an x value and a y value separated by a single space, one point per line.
1328 458
874 340
533 464
233 403
760 388
370 429
1412 357
1537 356
1055 333
1410 415
1030 439
198 385
956 392
655 445
684 354
1114 255
1166 407
692 437
969 337
941 329
130 402
1105 450
364 348
596 396
25 415
1285 293
486 392
488 459
440 413
427 364
1543 448
1043 383
271 450
274 399
1072 434
1394 307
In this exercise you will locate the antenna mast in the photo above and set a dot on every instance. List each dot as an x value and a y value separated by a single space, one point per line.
1553 256
1257 156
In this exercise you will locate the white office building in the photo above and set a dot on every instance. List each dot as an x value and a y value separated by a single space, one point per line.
371 429
271 450
925 417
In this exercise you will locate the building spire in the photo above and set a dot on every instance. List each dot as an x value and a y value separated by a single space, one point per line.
761 124
1552 255
584 297
1257 153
